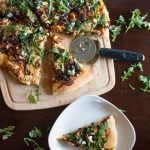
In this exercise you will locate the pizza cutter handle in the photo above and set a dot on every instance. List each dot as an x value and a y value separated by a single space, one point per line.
122 54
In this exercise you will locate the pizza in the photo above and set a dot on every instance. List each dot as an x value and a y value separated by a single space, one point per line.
96 136
68 73
21 51
75 17
18 11
25 26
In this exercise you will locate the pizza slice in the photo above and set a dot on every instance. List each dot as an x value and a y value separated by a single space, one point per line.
21 51
18 11
96 136
75 17
68 73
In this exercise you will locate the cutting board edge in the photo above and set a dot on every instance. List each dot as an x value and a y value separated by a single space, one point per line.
28 106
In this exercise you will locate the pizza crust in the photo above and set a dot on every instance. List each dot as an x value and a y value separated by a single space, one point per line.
112 134
79 81
15 69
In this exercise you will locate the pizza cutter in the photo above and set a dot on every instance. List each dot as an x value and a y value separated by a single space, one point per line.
84 49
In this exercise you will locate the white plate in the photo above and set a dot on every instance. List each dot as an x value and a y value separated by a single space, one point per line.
89 109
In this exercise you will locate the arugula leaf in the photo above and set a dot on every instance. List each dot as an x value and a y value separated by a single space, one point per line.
36 146
146 82
115 31
130 70
34 98
11 2
21 5
35 133
127 73
30 15
139 66
101 20
137 20
101 134
62 7
121 20
49 7
37 92
61 54
7 132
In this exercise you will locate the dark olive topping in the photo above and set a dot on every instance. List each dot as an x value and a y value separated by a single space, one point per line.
69 65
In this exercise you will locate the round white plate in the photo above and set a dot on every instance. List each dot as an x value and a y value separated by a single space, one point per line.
88 109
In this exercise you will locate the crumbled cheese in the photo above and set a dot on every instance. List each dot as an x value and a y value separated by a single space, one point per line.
83 142
44 3
90 139
95 20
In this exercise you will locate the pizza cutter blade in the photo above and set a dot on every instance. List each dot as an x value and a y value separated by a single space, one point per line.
84 50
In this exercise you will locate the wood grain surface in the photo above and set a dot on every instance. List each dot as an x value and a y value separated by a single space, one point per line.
136 103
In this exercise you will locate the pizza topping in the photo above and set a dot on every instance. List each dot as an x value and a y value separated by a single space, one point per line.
18 11
77 16
65 66
92 136
22 43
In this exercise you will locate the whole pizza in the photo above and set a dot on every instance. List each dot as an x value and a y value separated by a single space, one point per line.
25 26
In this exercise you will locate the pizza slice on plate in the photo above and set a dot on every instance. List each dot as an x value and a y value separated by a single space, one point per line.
21 51
68 73
96 136
18 11
76 17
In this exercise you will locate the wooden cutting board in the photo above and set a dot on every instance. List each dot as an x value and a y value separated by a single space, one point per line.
15 94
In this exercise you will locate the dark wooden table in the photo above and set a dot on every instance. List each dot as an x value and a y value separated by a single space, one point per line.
136 103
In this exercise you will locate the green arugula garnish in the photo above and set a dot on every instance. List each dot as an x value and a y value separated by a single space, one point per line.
127 73
115 31
130 70
32 137
146 82
30 15
21 5
139 66
34 98
49 7
62 6
36 146
137 20
101 137
35 133
37 92
121 20
11 2
7 132
101 20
